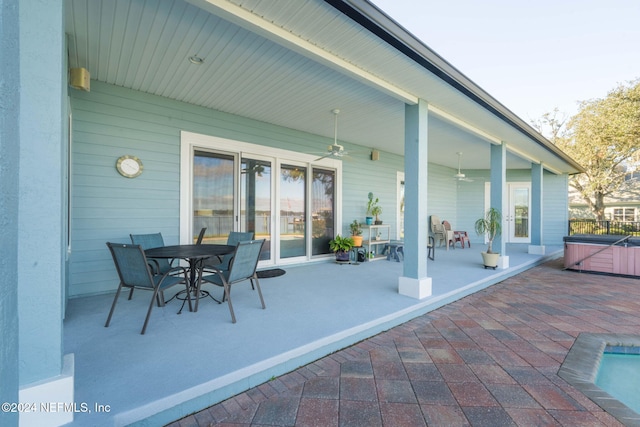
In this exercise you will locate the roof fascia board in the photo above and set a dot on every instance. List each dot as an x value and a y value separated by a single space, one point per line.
279 35
461 123
493 140
383 26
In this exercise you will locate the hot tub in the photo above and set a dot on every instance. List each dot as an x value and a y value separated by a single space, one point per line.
610 254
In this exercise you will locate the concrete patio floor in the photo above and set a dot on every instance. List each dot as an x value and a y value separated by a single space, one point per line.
188 362
489 359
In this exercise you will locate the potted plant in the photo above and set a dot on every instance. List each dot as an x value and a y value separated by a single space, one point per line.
341 247
356 233
376 211
372 205
490 226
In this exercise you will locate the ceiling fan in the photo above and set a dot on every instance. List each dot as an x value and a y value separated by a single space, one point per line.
460 176
335 149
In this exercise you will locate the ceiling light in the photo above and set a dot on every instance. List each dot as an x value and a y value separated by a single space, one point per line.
195 59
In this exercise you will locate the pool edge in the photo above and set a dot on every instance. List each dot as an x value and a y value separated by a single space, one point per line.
580 369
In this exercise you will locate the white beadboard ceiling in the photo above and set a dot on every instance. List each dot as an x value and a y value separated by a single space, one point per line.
290 63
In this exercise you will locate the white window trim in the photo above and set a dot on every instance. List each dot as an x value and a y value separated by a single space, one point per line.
611 211
189 142
399 219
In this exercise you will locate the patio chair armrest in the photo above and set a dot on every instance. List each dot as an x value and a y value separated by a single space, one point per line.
211 269
153 265
176 271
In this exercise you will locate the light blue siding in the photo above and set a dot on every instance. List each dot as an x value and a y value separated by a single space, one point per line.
361 176
111 121
471 203
470 198
555 204
442 193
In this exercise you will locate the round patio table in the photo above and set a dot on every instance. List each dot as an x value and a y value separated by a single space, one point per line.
194 255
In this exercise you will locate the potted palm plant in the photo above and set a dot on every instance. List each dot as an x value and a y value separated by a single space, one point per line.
490 226
356 233
341 247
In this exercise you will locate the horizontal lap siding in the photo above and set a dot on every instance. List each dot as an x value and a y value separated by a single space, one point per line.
442 199
361 176
555 213
471 203
110 121
105 205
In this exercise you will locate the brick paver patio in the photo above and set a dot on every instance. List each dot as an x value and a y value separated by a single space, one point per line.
490 359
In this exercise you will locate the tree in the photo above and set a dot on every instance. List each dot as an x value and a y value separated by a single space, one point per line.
604 138
552 125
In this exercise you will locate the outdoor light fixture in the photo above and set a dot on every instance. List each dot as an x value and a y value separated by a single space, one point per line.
79 78
195 59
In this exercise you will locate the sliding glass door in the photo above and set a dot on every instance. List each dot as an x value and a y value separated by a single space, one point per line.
323 210
290 204
293 211
213 191
255 201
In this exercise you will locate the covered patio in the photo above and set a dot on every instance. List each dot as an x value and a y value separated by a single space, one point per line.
249 86
187 362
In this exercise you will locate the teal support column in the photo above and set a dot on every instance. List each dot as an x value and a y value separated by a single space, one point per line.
498 196
45 373
535 210
9 170
40 223
414 282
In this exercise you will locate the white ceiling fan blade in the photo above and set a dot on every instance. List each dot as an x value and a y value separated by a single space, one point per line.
324 157
335 150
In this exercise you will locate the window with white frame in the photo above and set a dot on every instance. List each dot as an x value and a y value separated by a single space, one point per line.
624 214
290 199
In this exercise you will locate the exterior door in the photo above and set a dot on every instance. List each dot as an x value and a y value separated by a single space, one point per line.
517 220
256 201
214 203
517 227
293 211
323 209
222 202
400 205
286 198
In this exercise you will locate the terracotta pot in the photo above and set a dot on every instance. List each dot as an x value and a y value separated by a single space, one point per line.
357 240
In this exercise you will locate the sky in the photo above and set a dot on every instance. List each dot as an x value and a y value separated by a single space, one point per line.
532 56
